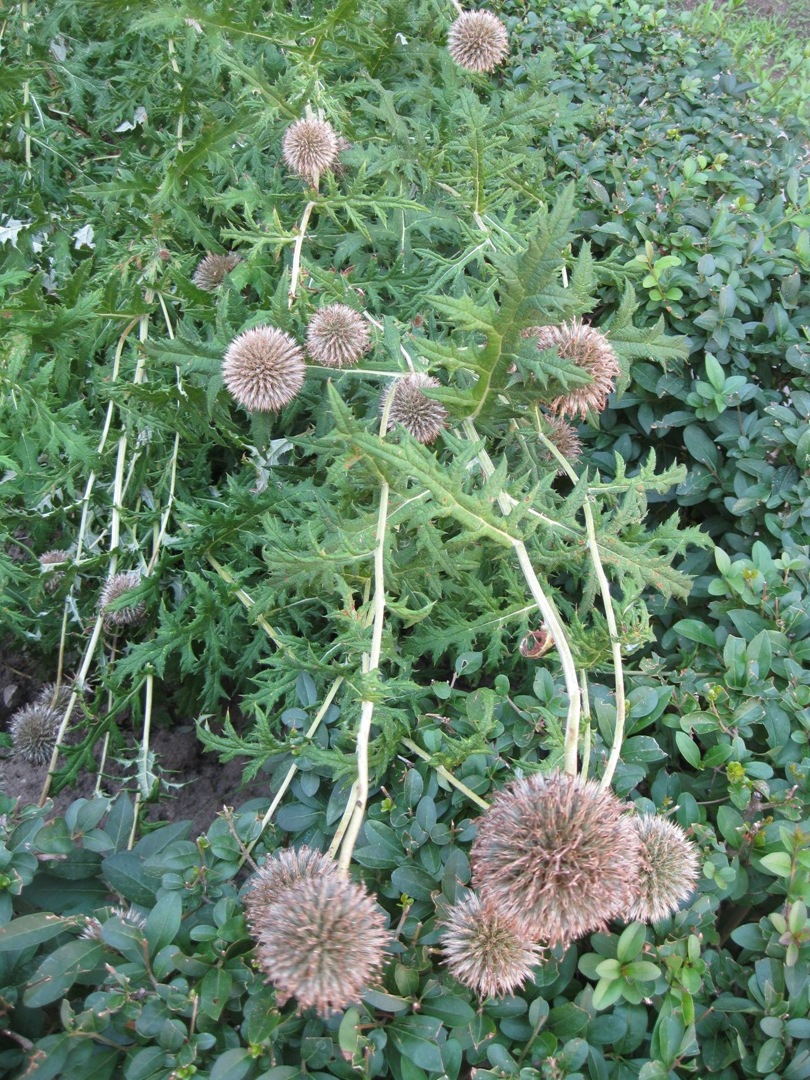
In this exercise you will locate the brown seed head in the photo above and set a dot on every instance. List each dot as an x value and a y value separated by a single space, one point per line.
117 586
590 350
669 869
322 942
33 732
213 269
478 41
50 563
556 856
310 147
281 870
419 415
565 438
264 369
486 952
337 336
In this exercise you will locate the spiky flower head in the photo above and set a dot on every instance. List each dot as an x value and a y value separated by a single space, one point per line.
421 416
33 732
478 41
669 869
280 871
213 269
565 437
337 336
590 350
50 563
556 856
310 147
55 697
115 587
485 951
264 369
322 942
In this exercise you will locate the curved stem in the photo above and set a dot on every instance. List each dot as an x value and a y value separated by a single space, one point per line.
295 271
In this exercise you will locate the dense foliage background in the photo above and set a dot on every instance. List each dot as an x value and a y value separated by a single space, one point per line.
678 201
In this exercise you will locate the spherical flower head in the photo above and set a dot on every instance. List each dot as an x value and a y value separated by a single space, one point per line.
280 871
421 416
213 269
478 41
590 350
557 857
264 369
486 952
669 869
337 336
115 587
565 437
33 732
55 697
310 147
50 563
322 942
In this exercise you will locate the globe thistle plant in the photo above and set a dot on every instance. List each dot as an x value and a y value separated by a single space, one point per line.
337 336
310 147
321 942
557 857
478 41
591 351
33 732
264 369
421 416
485 951
213 269
669 869
280 871
115 587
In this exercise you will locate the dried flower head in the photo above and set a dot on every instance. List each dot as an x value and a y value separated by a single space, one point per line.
33 732
590 350
92 929
669 869
478 41
337 336
55 697
322 942
116 587
280 871
310 147
565 438
50 563
485 951
264 369
129 915
421 416
213 269
556 856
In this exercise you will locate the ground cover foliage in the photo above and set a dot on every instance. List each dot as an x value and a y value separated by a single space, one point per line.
612 169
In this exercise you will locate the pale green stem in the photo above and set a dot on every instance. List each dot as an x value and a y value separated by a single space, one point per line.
610 615
176 70
26 94
343 824
293 769
143 791
446 774
295 271
550 616
586 716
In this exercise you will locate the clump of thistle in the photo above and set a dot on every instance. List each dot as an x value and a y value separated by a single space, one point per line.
485 951
337 336
310 147
280 871
478 41
264 369
116 587
421 416
557 857
565 437
591 351
213 269
321 942
50 563
669 869
33 732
